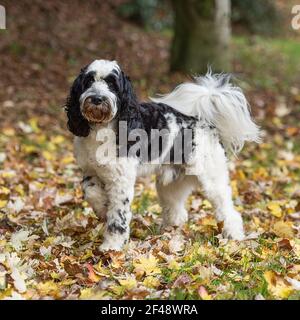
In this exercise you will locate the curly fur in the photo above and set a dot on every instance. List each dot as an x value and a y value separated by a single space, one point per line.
205 108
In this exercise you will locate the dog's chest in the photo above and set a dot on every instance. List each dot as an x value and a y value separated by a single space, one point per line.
88 151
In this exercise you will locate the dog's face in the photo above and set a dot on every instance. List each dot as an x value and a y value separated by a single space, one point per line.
96 96
98 101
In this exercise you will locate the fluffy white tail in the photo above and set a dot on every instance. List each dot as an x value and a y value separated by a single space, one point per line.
212 98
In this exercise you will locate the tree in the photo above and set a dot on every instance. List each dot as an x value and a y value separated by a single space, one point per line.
201 35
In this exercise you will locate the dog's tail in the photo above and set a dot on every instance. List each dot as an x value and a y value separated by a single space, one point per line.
213 99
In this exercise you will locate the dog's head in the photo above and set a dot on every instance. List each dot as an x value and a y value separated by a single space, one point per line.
98 94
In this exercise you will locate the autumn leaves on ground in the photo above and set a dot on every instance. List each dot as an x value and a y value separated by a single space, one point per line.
49 236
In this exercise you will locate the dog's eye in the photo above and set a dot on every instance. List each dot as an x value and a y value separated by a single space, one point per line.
111 81
88 82
109 78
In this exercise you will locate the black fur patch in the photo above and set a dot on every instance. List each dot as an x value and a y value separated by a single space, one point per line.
126 201
122 217
115 227
137 115
77 124
87 178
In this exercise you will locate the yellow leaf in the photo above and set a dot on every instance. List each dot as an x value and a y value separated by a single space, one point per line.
29 149
48 287
173 264
234 188
48 155
206 204
275 209
3 203
54 275
38 185
154 208
68 159
241 175
260 173
91 273
4 190
67 282
19 189
128 283
88 254
277 286
8 174
203 293
147 266
209 221
57 139
33 122
51 146
9 132
296 247
151 282
41 138
283 229
92 294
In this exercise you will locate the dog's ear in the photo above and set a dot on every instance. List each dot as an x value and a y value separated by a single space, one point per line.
129 108
128 97
77 124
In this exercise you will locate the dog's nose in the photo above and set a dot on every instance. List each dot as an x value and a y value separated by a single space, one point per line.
98 99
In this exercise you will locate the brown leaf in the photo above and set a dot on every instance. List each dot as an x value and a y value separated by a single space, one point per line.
182 280
72 268
285 244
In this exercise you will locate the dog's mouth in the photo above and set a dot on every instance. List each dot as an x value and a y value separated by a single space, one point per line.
98 113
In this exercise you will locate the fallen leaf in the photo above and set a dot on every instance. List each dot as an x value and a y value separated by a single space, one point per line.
283 229
176 244
203 294
277 286
275 209
146 265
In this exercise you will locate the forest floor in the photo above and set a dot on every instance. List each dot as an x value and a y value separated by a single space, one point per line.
49 237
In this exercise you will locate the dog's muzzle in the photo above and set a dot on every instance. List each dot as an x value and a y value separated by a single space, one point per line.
97 109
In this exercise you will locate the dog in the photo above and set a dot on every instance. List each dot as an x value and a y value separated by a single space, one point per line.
214 112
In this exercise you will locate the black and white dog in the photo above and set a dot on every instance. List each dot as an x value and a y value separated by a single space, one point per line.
217 114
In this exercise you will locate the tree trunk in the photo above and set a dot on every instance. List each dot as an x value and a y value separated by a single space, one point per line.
201 35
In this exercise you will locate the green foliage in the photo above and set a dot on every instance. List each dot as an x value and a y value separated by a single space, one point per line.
151 14
276 59
257 16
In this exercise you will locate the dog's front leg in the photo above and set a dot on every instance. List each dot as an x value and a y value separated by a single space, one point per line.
119 186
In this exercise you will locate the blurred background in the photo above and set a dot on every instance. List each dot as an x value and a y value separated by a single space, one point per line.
159 43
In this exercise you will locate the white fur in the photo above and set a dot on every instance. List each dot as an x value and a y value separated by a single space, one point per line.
118 180
103 67
206 168
110 189
214 99
172 197
94 194
99 87
209 165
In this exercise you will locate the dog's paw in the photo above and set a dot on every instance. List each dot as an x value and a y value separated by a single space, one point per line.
175 219
234 235
233 228
113 241
107 246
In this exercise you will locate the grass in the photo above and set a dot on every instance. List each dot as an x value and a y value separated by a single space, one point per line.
270 63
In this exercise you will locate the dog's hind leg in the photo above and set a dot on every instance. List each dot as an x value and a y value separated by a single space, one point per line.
212 172
172 199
